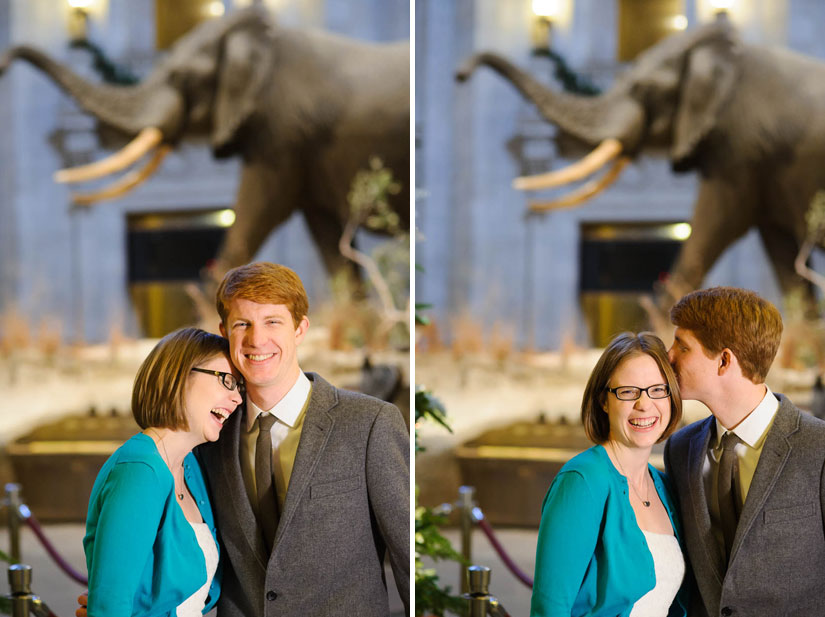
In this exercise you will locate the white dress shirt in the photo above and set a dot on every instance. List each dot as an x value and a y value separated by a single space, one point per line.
286 433
752 431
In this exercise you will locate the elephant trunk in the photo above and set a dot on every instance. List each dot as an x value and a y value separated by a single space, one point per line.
591 119
126 108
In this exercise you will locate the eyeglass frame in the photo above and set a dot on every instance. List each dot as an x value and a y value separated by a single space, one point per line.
222 377
645 390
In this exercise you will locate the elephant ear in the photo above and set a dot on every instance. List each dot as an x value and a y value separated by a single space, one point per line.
244 65
711 72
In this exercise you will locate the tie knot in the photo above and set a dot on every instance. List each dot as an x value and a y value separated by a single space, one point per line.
729 440
265 421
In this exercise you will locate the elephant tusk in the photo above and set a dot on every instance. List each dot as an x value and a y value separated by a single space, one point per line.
598 158
147 139
124 184
583 193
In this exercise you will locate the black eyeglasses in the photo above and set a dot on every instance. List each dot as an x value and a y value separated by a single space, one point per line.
632 393
228 380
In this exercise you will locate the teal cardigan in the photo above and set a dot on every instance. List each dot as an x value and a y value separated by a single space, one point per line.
592 559
142 554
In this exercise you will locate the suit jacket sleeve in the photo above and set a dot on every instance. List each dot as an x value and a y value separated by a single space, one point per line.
388 485
669 468
130 513
568 533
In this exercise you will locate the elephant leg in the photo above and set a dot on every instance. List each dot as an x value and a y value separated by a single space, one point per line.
802 331
266 199
722 214
326 230
782 249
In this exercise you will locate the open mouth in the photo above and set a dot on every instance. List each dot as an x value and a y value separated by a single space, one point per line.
262 357
643 423
220 414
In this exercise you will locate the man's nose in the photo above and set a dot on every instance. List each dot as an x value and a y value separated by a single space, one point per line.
253 336
671 355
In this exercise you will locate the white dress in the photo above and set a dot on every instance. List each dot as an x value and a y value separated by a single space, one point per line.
669 566
193 605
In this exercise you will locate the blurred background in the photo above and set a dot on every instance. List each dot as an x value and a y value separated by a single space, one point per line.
88 284
522 295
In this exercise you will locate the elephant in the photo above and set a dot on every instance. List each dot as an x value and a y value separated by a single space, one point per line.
749 119
304 109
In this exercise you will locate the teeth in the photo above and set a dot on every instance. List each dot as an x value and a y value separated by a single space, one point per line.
259 357
221 413
643 422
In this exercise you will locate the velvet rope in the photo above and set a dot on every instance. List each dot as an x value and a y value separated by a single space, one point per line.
32 522
511 565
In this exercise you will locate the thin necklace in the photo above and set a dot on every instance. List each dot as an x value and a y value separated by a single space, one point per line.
168 464
645 502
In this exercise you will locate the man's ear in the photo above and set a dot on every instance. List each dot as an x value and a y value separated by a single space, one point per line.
301 330
726 361
222 329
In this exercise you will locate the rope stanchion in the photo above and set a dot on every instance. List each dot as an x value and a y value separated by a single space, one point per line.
22 601
34 525
511 565
479 601
12 502
18 512
469 514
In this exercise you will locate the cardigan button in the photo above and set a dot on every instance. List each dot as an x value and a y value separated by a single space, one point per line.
727 611
271 595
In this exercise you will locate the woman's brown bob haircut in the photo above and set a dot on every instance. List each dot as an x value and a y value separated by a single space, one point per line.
736 319
160 384
264 283
626 345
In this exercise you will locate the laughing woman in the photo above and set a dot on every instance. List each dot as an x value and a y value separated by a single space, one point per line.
150 537
609 540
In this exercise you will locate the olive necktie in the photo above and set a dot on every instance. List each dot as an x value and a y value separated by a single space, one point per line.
267 500
728 490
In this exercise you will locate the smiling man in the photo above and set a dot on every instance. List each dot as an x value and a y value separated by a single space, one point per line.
310 483
751 477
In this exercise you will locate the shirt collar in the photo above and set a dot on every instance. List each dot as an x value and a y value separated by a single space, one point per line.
287 409
753 429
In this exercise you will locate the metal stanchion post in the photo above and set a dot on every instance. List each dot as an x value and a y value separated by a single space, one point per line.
23 602
466 500
13 502
478 597
480 602
20 582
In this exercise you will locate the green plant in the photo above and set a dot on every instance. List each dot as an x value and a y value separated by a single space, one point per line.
5 603
388 267
430 597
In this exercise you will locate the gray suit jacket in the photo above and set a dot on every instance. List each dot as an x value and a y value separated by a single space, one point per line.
347 503
777 564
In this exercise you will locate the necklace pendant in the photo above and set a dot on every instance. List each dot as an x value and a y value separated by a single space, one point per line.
646 504
180 496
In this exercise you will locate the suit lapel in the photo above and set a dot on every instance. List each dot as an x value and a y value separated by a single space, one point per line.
314 437
775 454
230 469
698 454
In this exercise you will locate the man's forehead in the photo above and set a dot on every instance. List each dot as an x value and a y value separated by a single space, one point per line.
241 307
684 336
